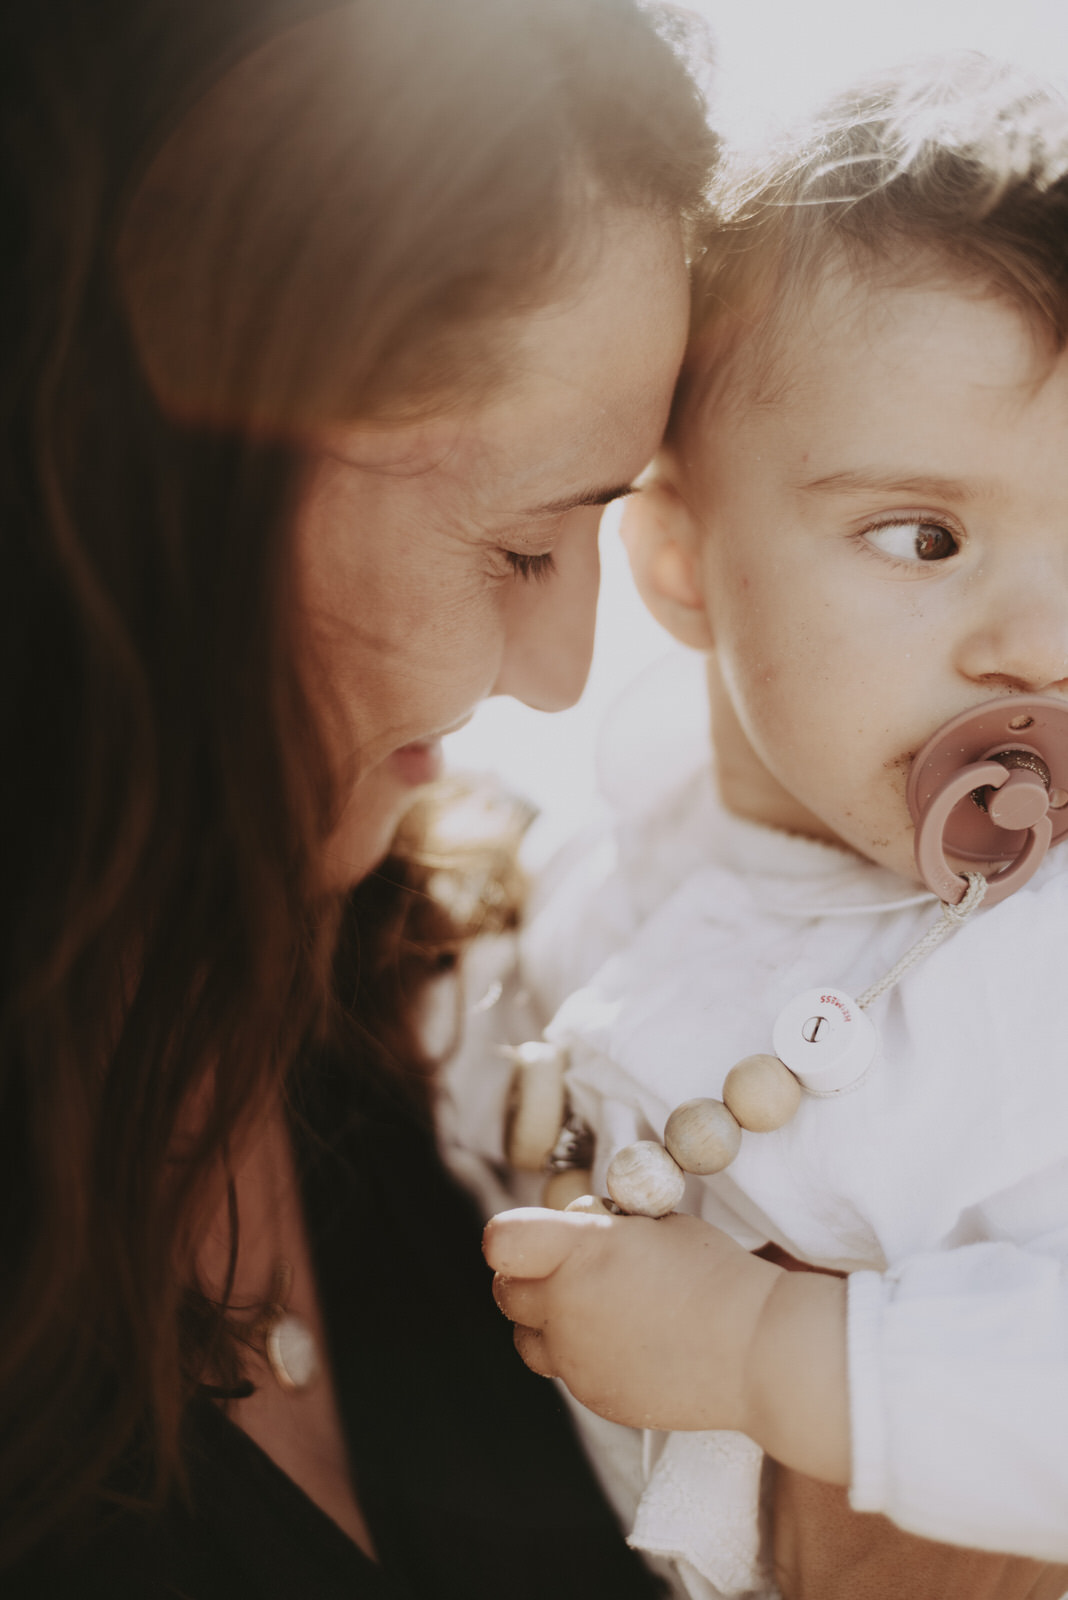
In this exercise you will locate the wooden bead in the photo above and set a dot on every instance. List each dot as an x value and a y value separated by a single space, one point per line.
563 1187
588 1205
537 1104
702 1136
762 1093
644 1181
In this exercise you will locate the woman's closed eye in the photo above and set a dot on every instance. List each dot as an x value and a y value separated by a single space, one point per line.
912 539
531 567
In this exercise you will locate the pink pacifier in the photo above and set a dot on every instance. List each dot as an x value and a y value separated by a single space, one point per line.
991 785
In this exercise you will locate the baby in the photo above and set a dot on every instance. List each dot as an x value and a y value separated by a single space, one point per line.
860 519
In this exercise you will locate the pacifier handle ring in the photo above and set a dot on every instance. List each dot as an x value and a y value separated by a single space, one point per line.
934 869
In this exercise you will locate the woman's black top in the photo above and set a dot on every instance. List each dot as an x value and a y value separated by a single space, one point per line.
465 1464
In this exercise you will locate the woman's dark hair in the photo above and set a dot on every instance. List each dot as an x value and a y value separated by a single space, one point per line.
227 221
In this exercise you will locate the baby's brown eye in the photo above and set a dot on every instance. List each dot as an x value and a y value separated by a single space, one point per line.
912 540
934 543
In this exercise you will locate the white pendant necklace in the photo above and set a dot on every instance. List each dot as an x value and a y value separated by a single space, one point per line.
288 1344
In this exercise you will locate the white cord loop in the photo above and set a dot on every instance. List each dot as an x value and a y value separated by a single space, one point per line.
951 918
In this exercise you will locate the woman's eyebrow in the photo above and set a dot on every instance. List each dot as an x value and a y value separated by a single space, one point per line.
586 497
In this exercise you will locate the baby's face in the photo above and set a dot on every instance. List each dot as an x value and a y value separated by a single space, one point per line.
880 544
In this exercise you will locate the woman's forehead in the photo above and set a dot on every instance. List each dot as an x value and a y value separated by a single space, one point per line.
583 400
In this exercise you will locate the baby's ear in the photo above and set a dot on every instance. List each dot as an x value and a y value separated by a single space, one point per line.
663 543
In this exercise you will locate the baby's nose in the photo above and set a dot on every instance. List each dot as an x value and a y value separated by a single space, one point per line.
1022 645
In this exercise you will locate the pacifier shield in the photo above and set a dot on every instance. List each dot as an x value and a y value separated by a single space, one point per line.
1009 807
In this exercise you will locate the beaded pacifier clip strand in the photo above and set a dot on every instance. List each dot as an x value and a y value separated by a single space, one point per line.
990 786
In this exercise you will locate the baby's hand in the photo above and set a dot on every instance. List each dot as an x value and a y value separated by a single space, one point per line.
648 1323
670 1324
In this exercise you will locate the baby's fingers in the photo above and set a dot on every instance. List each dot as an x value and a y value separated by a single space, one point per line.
522 1300
532 1348
531 1243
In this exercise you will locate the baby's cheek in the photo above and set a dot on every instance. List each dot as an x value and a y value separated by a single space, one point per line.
800 727
893 833
874 820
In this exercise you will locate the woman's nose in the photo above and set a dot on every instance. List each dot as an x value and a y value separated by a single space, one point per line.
1022 641
549 623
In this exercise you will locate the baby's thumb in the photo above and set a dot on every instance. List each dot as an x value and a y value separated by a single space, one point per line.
531 1243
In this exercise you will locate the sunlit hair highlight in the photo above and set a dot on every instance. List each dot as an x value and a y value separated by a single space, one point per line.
953 166
490 208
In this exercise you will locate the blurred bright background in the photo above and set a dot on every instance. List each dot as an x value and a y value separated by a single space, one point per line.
771 59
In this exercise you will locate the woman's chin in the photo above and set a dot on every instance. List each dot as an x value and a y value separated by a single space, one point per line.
362 838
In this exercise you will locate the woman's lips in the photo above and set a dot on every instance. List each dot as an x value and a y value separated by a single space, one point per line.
421 762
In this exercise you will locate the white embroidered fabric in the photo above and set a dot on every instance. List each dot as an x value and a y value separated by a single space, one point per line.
700 1507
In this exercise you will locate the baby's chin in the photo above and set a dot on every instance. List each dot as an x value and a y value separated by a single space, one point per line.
900 860
892 849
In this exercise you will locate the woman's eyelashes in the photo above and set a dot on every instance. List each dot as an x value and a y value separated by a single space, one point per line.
912 539
530 567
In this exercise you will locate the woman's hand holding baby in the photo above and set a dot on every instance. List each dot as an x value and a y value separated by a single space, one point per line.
671 1324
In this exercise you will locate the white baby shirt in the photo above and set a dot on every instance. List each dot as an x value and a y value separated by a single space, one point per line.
940 1182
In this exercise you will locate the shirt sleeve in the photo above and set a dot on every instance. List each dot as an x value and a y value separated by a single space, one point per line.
958 1375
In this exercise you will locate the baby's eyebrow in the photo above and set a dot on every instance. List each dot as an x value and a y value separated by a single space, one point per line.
890 481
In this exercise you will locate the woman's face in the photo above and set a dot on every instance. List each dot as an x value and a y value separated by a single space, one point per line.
445 561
